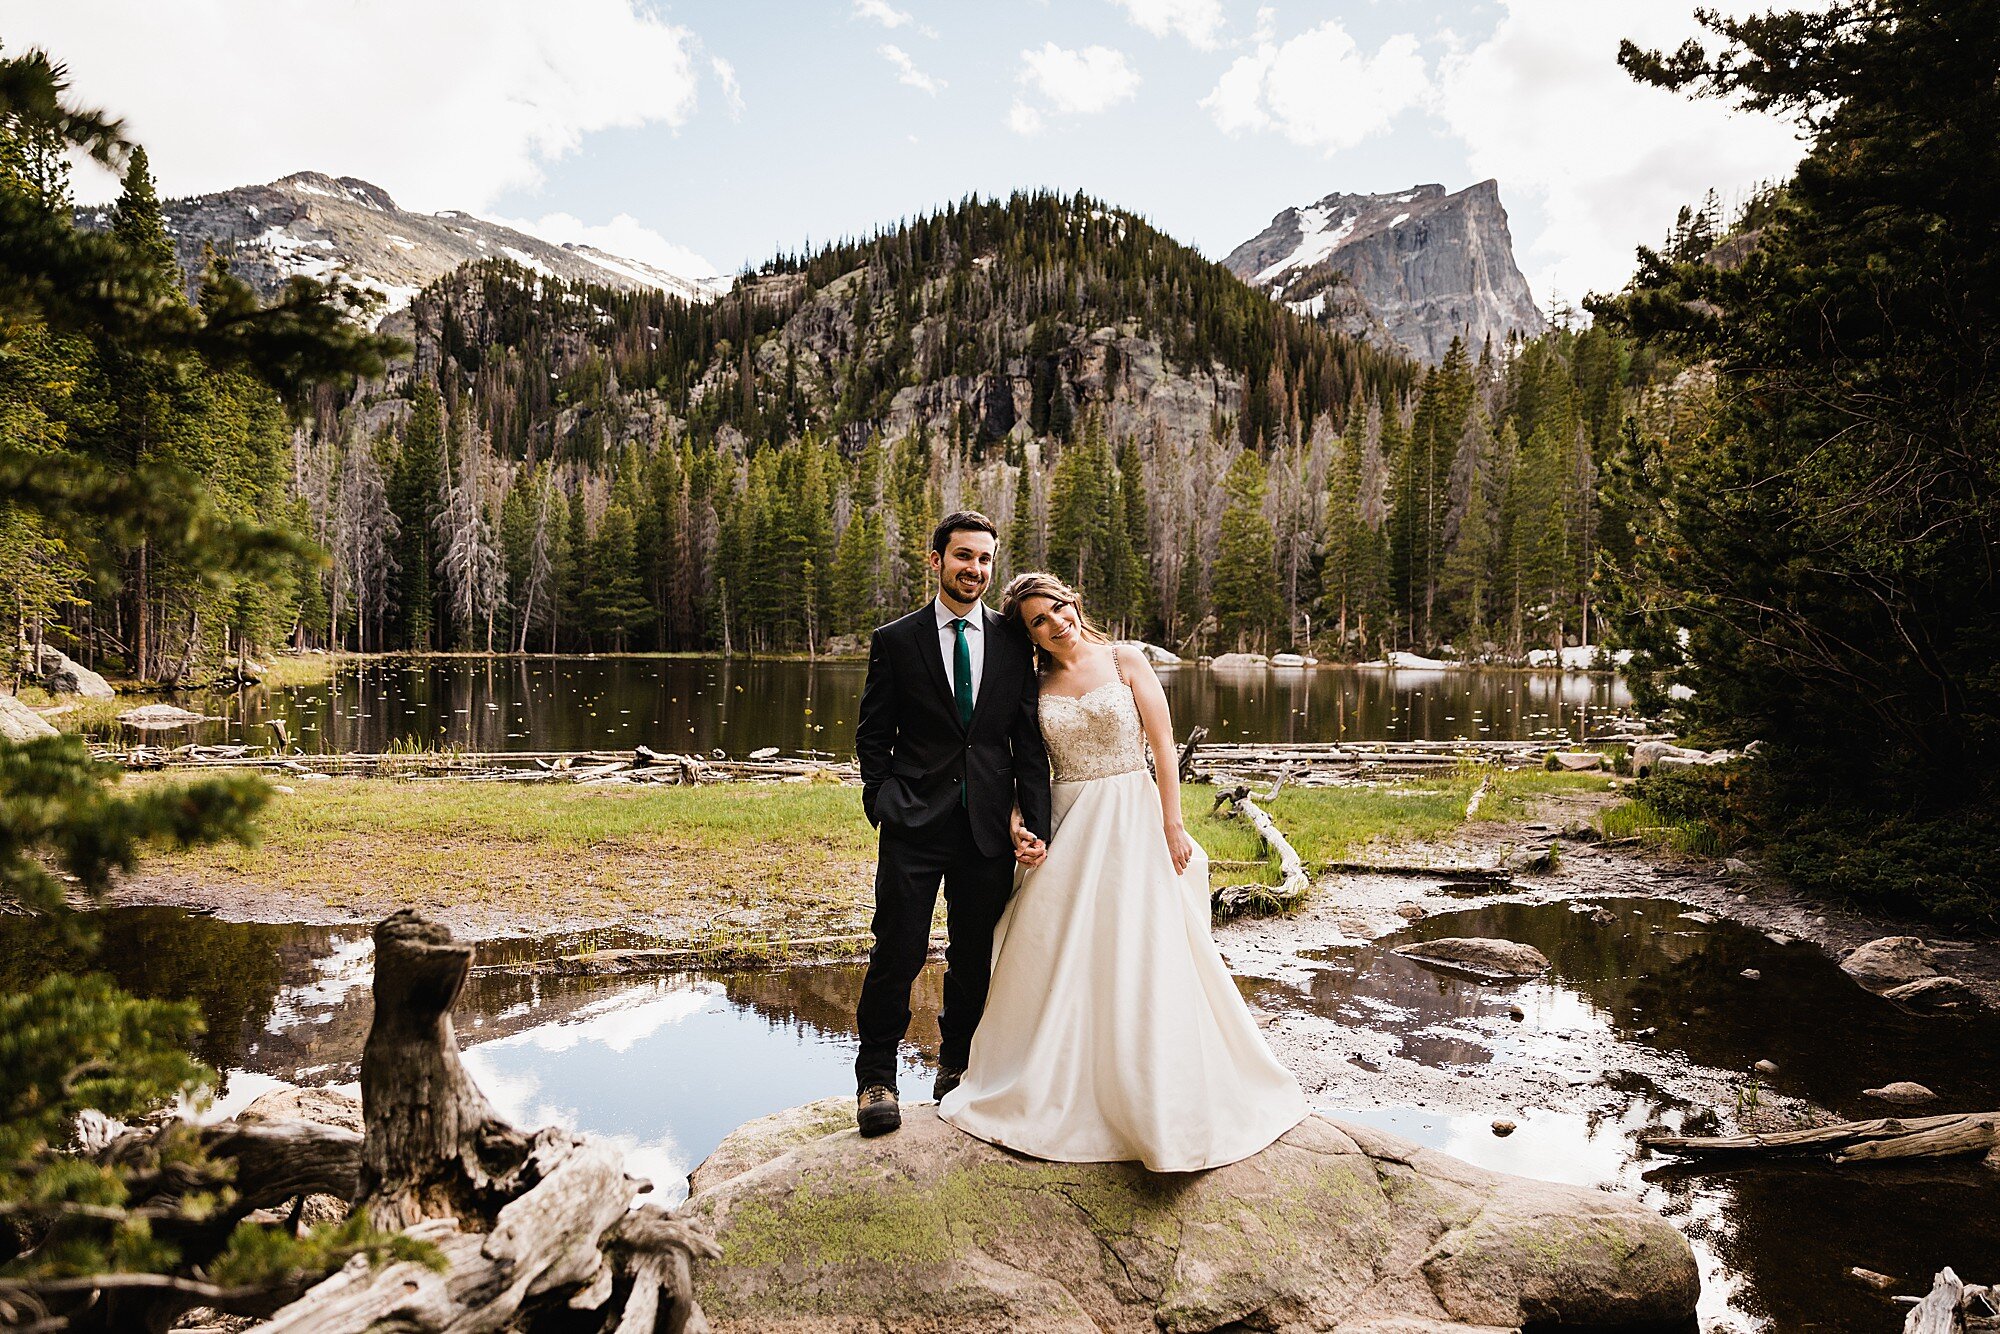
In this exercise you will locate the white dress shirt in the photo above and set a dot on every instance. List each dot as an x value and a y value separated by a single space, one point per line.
975 641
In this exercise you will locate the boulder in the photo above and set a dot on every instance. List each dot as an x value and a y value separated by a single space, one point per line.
1935 993
1903 1090
1478 955
1333 1227
1291 660
1576 761
1536 857
321 1106
757 1142
1238 661
159 717
18 722
1890 962
62 675
1159 657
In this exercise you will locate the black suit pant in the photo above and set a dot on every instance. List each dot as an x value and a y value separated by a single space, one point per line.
908 869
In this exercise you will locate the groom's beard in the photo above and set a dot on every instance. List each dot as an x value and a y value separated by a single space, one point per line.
969 588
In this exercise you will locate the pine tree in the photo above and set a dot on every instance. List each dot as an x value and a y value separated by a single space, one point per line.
1245 583
415 489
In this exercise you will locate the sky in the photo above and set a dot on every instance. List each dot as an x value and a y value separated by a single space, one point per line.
709 135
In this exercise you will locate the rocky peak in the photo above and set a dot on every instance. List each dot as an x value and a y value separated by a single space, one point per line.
1418 267
309 224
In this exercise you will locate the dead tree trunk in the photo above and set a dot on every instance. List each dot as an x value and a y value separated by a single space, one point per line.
434 1147
1293 884
526 1224
1946 1136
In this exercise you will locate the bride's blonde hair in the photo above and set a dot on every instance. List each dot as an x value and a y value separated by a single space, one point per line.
1042 584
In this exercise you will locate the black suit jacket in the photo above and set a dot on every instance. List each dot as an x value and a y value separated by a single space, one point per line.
915 753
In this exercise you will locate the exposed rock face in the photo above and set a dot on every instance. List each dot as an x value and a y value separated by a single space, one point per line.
1422 267
62 675
315 226
18 722
1333 1228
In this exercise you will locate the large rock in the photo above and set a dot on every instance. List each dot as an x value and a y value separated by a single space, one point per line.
1889 962
1505 959
1421 266
18 722
1227 662
320 1106
758 1142
62 675
1333 1228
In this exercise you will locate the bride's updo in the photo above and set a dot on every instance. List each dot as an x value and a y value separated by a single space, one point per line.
1042 584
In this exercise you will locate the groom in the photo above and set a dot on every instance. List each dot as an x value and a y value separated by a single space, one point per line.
949 746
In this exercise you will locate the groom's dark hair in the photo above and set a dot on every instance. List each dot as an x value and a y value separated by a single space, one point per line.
963 521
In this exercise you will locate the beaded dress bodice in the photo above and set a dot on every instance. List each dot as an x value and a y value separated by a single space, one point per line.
1092 735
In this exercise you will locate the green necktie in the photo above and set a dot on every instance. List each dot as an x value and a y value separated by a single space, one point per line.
961 674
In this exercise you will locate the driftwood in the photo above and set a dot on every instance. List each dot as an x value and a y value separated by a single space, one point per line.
1945 1136
1186 766
1949 1307
438 1162
1293 885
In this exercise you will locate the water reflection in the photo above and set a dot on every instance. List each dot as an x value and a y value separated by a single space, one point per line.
1649 1005
1644 1012
739 705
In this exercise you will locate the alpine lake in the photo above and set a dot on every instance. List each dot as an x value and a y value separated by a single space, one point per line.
1643 1012
737 705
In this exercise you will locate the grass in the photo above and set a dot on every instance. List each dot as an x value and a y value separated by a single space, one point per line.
727 863
77 713
288 671
1639 819
801 853
1337 824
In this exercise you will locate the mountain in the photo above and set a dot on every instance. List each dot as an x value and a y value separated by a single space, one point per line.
1417 268
318 226
990 323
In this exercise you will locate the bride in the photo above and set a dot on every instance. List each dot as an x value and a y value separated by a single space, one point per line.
1112 1030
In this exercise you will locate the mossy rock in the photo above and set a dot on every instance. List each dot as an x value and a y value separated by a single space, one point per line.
1332 1228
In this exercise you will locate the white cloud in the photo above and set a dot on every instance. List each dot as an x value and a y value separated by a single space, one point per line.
1199 21
445 104
624 236
1079 82
1319 89
882 12
725 74
1024 119
907 71
1543 106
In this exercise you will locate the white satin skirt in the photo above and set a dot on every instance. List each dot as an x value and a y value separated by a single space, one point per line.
1113 1031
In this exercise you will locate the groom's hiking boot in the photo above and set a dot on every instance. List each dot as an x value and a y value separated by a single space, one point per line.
876 1111
949 1077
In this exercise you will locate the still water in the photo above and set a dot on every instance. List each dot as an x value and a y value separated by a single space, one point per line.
740 705
1641 1005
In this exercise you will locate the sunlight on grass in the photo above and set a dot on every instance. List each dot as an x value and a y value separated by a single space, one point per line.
1637 819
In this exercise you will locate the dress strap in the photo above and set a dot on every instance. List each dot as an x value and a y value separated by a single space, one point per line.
1118 666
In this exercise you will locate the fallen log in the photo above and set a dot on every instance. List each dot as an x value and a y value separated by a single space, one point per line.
1948 1309
1186 766
1881 1138
1293 882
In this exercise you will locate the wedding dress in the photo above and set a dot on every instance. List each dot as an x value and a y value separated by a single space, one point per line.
1112 1030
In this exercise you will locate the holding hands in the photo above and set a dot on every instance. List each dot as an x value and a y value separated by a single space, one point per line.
1029 850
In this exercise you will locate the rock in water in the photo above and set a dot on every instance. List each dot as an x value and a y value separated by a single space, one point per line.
1902 1090
1495 959
1231 662
1890 962
18 722
1333 1227
159 717
62 675
1934 993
